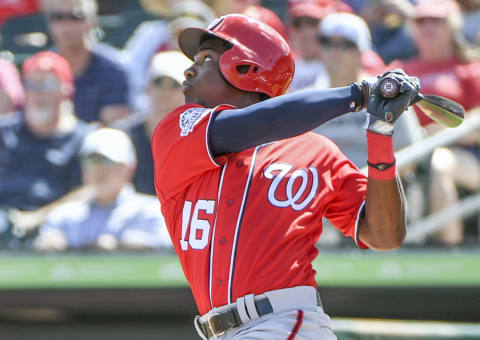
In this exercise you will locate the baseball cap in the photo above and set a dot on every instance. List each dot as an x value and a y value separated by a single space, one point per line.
310 8
112 143
169 64
436 9
52 62
348 26
10 83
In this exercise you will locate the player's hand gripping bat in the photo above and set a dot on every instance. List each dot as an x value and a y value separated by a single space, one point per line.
440 109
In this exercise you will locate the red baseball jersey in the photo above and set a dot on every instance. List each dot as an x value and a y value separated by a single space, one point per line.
248 222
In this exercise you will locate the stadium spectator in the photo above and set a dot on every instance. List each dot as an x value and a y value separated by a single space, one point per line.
446 67
344 37
165 93
11 90
116 217
159 36
39 147
101 83
306 16
387 21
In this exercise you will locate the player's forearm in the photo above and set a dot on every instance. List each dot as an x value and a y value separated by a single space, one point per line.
279 118
384 226
384 222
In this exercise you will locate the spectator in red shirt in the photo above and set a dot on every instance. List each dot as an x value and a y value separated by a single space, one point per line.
446 67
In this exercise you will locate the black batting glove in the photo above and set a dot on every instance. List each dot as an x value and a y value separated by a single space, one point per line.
383 112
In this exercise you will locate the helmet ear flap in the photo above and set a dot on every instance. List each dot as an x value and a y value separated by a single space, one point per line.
242 73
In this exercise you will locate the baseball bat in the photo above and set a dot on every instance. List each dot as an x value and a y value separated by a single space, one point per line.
442 110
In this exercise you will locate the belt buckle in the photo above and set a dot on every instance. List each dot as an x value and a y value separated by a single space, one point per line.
211 326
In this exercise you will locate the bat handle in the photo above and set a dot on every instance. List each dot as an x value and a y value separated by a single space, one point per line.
389 88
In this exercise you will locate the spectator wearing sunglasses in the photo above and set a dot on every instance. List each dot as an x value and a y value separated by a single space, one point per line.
115 216
344 37
164 91
39 147
305 17
102 90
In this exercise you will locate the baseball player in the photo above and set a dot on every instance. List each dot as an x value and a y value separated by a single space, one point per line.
244 185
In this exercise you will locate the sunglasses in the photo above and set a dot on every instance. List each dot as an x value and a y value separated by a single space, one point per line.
301 22
43 87
64 16
96 159
166 83
436 21
341 44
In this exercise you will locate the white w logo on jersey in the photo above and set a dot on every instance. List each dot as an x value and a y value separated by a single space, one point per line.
292 198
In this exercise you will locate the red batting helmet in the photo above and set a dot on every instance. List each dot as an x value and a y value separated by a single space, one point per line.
260 60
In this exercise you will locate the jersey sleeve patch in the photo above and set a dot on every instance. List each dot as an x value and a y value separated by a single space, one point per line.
190 118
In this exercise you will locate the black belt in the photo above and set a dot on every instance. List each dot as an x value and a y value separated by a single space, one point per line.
219 322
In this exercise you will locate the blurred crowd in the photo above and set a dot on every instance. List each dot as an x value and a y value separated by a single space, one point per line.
78 107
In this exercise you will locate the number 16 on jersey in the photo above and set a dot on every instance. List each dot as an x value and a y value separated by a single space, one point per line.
199 228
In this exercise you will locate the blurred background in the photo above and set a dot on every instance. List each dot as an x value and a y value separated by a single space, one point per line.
83 247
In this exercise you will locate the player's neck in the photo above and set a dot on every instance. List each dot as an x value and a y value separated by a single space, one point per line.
249 98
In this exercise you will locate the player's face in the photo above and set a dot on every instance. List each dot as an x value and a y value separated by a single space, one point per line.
204 82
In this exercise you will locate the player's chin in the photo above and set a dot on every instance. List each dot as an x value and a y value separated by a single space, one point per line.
190 99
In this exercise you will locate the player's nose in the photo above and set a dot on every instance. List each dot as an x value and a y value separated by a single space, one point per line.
189 72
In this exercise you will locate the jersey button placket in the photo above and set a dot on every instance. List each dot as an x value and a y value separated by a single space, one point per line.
229 202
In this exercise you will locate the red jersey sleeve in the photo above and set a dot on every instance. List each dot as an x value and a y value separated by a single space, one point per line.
345 204
180 149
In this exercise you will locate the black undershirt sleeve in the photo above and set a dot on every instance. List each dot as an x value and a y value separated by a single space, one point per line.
279 118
